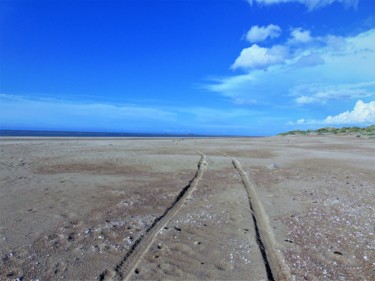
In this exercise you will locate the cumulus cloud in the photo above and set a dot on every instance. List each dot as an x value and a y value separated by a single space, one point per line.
362 113
310 4
258 57
328 69
261 33
298 35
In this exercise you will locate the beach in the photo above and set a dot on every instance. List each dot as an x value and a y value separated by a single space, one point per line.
274 208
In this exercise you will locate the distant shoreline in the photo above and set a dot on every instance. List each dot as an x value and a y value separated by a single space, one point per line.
60 134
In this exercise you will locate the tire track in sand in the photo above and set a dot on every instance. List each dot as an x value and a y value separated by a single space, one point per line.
128 265
275 267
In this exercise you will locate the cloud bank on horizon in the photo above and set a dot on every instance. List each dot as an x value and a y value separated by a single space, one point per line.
17 111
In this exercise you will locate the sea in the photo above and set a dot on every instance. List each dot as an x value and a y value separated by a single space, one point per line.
31 133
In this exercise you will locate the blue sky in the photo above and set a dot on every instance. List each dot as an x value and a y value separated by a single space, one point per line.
241 67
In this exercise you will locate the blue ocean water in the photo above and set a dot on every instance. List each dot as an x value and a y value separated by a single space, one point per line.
30 133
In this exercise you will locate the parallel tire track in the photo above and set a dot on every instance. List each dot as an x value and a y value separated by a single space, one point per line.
128 265
275 268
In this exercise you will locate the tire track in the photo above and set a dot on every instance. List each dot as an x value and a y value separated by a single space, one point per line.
273 261
128 265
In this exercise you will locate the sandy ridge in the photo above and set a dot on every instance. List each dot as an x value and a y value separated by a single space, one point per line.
128 265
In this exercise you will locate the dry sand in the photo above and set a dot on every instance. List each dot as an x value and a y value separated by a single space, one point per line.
280 208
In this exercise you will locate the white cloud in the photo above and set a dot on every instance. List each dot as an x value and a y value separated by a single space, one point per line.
261 33
328 69
298 35
310 4
305 100
362 113
259 57
310 93
301 39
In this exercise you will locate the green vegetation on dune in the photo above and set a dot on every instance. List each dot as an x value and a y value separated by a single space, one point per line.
369 131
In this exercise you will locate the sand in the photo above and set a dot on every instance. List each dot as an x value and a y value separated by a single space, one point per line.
278 208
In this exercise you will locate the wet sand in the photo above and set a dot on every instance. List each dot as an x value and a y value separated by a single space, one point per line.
279 208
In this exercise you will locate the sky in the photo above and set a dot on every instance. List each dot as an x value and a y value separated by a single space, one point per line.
222 67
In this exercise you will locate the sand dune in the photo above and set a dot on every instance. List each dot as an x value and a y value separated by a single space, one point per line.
280 208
